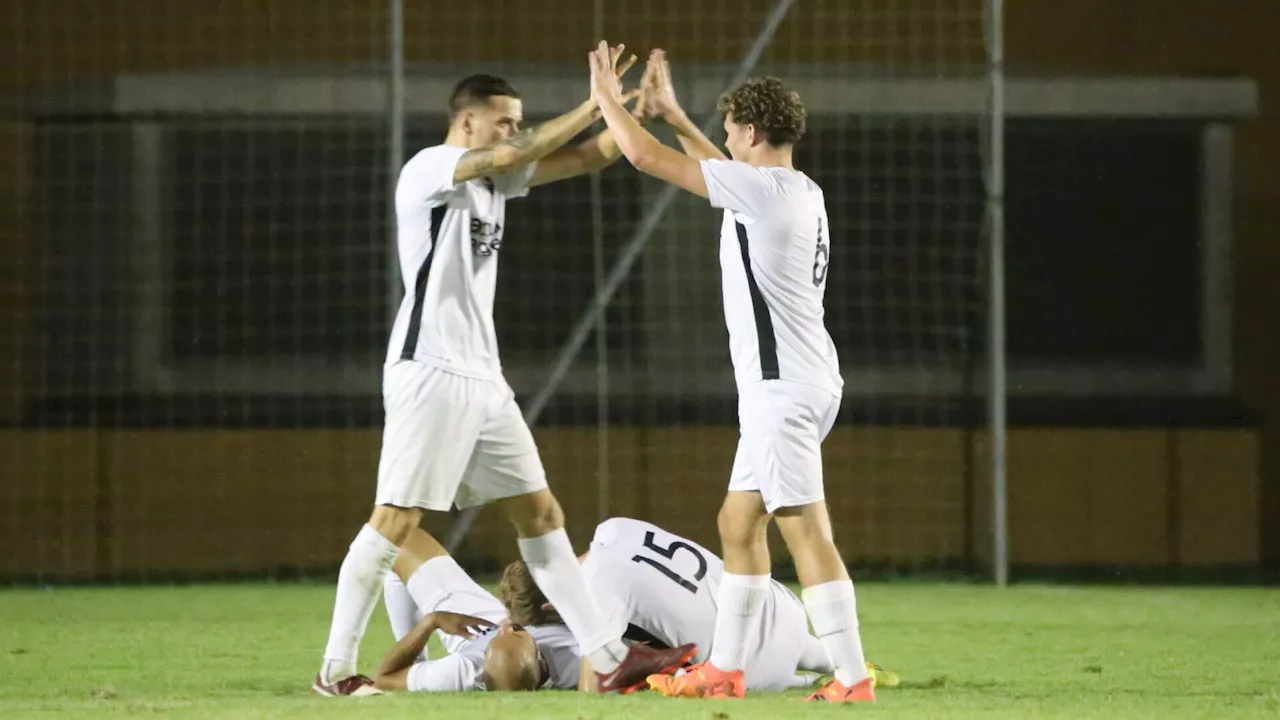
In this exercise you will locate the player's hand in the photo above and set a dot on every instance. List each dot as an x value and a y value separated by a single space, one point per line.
648 84
660 91
606 72
463 626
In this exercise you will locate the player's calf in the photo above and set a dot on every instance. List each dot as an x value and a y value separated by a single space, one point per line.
828 593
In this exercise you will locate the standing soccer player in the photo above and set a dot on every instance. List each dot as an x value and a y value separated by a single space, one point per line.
453 433
773 257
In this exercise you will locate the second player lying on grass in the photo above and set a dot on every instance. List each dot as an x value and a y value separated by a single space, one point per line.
661 588
485 651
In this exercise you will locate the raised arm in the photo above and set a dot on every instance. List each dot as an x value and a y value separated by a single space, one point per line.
660 96
595 153
645 152
525 146
535 143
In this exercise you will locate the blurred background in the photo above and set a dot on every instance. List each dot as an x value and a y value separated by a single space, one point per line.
197 279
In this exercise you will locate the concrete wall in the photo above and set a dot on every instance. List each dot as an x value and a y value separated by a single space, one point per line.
135 503
104 501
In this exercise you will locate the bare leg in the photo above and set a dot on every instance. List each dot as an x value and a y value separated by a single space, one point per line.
828 593
744 526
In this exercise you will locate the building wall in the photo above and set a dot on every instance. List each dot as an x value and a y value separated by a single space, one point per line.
138 503
93 502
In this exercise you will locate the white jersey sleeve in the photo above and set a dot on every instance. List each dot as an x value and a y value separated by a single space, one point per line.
737 186
515 184
451 673
427 180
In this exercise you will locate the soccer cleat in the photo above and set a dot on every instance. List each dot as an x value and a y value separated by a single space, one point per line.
882 677
640 663
352 686
862 691
703 680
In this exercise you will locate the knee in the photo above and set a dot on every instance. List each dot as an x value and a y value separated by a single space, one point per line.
736 531
535 514
395 523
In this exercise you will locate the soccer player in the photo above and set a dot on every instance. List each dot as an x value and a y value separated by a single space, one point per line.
774 252
485 651
661 588
453 433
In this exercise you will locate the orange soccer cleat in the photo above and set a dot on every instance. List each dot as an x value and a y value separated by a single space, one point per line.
862 691
704 680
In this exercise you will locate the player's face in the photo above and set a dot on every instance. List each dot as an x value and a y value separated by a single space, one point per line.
494 121
738 139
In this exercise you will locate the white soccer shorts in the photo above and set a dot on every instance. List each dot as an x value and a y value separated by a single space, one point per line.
450 439
782 425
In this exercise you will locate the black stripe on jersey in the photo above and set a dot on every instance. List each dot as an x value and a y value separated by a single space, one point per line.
420 285
764 322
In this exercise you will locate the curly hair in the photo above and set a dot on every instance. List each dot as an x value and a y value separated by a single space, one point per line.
522 597
766 103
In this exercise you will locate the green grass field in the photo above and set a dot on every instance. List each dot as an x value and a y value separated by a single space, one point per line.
249 651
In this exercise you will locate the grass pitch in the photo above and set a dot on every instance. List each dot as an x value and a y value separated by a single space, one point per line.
250 651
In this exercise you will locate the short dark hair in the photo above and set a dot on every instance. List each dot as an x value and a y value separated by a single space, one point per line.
475 89
766 103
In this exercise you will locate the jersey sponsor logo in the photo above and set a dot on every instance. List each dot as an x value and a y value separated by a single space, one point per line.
486 237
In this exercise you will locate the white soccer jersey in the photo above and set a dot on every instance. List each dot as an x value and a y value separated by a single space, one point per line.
463 668
448 236
774 250
649 582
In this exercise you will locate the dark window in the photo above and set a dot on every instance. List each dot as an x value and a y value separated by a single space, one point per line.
277 246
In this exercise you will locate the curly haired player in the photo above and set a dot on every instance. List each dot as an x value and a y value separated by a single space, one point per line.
774 255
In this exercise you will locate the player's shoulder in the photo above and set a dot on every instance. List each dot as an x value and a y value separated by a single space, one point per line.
772 180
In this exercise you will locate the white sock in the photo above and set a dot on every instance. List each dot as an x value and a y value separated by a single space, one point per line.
555 569
401 609
833 611
359 582
740 601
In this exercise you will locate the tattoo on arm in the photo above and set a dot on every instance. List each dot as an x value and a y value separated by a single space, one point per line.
484 161
473 164
523 147
524 139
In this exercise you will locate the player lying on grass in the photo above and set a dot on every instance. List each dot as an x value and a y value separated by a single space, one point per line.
485 651
774 253
454 435
661 588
